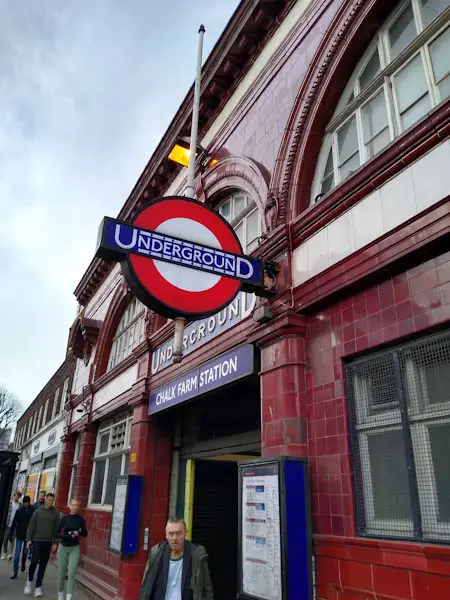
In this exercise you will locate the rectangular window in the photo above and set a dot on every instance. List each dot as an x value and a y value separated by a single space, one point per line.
64 394
375 124
439 54
50 462
55 404
411 88
399 404
111 460
73 476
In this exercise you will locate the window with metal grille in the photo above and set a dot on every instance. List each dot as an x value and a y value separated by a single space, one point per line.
399 403
111 460
402 76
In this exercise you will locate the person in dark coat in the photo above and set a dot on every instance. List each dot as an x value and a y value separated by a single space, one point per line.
19 526
177 568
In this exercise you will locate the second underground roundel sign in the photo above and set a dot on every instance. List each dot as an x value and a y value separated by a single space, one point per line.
179 257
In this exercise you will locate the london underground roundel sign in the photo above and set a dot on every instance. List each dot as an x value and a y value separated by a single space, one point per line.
179 257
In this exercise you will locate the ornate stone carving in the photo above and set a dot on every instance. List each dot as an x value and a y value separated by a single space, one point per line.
272 210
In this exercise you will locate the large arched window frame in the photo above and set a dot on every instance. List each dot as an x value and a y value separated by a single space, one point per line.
242 212
129 333
403 75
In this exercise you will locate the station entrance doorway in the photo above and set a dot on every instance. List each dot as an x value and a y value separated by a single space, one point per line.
226 426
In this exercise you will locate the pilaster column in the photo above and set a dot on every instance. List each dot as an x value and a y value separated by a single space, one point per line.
283 386
65 471
88 438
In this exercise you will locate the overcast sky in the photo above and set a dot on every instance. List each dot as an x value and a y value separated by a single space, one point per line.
87 88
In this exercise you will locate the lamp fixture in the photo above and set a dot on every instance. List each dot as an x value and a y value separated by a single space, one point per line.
181 151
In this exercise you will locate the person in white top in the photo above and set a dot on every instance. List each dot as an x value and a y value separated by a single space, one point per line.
7 543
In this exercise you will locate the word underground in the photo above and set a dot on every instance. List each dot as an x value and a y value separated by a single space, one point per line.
205 377
173 250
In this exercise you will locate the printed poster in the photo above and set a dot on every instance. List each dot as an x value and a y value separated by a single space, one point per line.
261 542
32 486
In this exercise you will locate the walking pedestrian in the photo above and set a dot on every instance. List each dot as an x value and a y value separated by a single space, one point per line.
42 532
176 569
70 528
19 527
7 542
41 500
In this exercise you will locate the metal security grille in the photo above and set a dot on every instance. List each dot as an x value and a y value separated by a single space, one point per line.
399 403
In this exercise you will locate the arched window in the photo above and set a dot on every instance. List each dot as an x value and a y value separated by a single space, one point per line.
240 210
402 76
129 333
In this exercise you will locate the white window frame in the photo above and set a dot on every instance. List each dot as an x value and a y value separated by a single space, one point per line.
108 455
125 338
64 394
55 403
383 80
236 220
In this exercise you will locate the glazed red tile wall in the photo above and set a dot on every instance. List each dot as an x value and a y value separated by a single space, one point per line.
359 569
399 306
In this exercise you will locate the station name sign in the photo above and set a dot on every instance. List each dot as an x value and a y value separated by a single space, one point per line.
121 238
220 371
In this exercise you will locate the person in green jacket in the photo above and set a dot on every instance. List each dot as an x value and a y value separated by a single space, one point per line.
177 568
42 532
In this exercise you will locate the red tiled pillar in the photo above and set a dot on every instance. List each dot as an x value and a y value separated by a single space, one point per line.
283 389
84 471
65 471
150 456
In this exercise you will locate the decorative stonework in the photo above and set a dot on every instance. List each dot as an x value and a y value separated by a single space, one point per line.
302 123
83 337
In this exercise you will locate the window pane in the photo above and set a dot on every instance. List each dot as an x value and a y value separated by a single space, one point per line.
350 166
440 58
225 210
390 485
347 140
104 443
402 32
379 142
370 71
412 92
252 227
328 174
73 480
239 205
374 116
240 233
440 450
416 112
327 184
431 9
114 469
99 476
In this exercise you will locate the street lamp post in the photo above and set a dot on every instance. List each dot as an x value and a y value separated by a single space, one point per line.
190 187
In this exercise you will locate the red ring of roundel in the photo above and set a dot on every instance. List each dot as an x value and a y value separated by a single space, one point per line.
157 286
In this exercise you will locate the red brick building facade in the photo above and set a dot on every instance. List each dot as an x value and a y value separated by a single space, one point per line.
330 124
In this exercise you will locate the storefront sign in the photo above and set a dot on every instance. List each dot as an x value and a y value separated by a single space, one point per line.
215 373
200 332
173 275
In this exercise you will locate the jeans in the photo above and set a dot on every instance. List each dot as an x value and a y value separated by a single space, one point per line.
41 554
20 547
7 545
67 556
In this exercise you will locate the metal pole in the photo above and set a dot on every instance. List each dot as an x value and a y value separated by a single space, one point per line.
190 187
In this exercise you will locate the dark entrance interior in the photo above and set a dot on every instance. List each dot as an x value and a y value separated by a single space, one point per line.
215 522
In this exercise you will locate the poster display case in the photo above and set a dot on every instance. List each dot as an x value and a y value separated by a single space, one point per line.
274 558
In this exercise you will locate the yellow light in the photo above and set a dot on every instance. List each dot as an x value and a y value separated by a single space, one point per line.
180 155
213 163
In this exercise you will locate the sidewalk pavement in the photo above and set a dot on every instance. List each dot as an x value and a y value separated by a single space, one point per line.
12 589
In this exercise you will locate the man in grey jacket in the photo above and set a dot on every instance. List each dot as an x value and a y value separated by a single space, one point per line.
176 568
41 532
